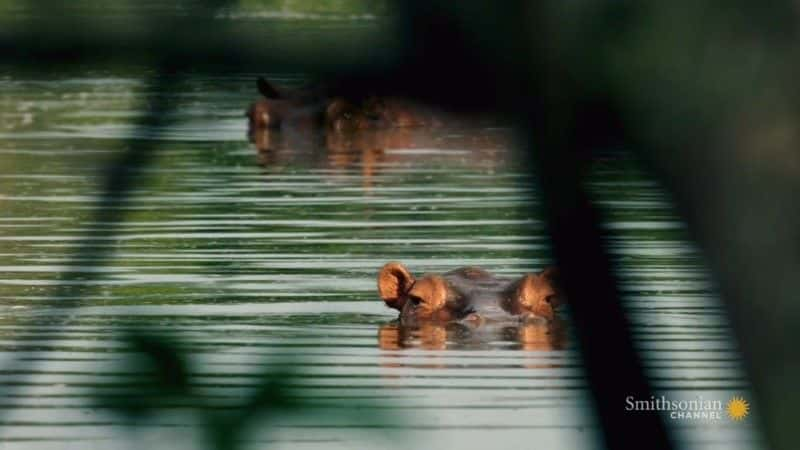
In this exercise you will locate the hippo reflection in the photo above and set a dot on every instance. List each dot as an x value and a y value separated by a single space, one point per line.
370 151
469 295
531 335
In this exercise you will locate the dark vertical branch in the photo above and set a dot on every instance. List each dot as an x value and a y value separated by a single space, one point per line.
613 368
109 210
120 177
567 114
565 128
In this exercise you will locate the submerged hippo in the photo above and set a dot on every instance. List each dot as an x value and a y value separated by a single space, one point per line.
334 109
469 294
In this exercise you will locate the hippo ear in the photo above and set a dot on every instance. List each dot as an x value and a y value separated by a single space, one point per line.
394 282
551 275
266 89
535 294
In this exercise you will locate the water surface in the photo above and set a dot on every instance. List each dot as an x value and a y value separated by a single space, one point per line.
249 258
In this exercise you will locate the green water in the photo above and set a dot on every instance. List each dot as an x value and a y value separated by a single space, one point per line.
248 258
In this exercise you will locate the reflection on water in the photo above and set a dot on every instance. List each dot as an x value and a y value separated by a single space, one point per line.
538 336
247 254
370 150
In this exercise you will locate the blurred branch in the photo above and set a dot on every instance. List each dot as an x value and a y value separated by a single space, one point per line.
171 45
201 42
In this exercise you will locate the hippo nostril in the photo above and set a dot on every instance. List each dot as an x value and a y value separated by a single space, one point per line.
474 319
553 300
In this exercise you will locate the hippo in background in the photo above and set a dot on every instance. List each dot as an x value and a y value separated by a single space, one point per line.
341 128
469 295
321 106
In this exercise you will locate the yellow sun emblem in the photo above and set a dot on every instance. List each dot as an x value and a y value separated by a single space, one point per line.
738 408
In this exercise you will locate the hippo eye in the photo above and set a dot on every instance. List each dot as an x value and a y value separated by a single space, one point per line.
415 300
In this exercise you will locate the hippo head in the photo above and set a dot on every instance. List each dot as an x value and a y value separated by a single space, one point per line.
468 294
318 105
304 108
343 115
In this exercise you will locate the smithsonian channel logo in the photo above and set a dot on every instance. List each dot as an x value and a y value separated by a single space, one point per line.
699 408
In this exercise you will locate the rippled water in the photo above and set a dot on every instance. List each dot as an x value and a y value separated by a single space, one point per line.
248 257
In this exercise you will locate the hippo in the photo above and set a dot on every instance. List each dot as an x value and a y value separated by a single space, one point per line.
321 106
469 295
